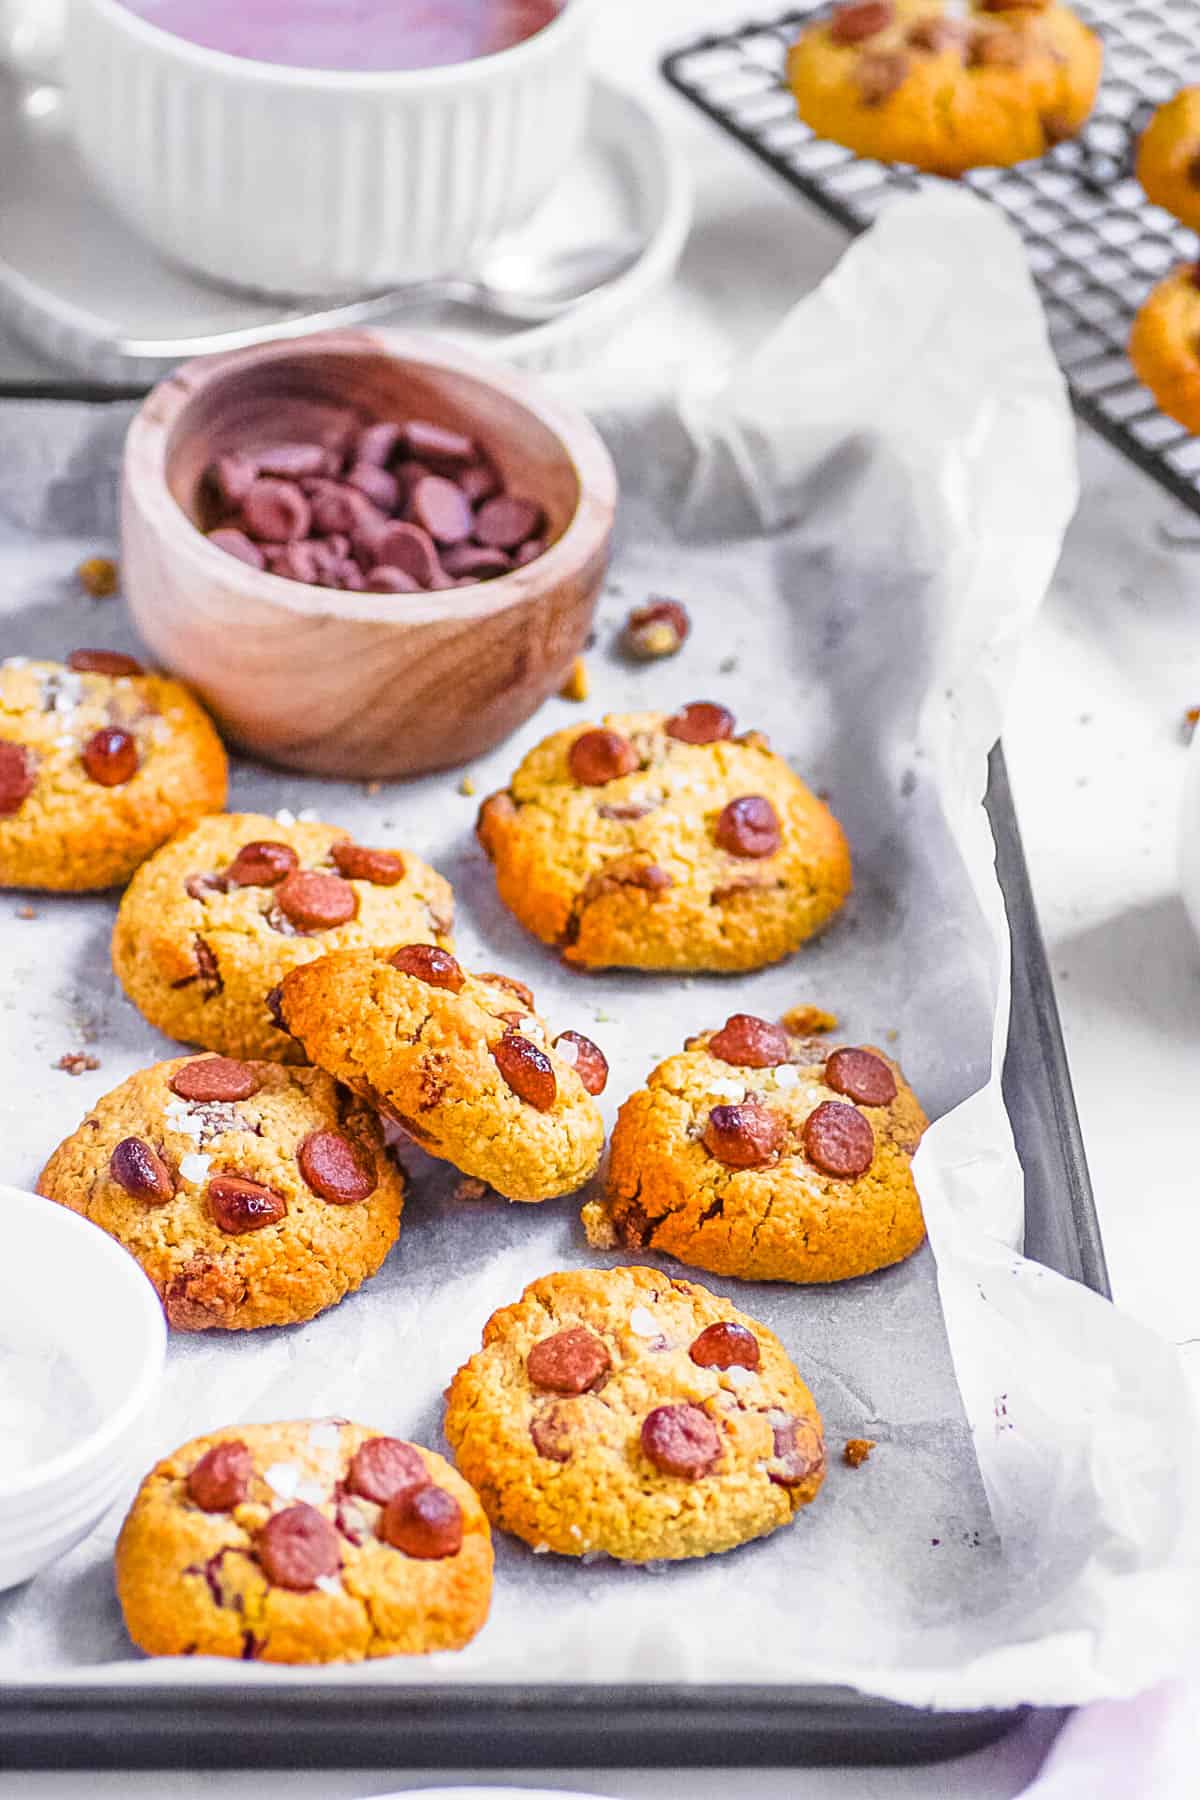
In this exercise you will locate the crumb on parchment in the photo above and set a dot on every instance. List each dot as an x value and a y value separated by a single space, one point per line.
98 576
1188 724
807 1021
466 786
577 686
857 1451
77 1062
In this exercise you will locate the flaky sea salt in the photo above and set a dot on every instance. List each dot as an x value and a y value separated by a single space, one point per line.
642 1320
313 1492
285 816
728 1090
329 1584
541 1549
282 1478
567 1052
786 1076
323 1434
194 1167
741 1377
308 815
15 662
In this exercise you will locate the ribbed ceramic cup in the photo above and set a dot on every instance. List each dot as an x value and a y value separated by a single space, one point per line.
303 182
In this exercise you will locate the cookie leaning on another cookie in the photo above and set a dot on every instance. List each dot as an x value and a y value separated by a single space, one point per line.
617 1410
312 1541
215 920
249 1193
1168 157
657 841
910 81
461 1061
100 762
1164 345
768 1156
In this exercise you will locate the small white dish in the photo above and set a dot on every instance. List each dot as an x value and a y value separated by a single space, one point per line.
300 181
82 1344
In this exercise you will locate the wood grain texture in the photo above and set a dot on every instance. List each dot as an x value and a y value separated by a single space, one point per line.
362 685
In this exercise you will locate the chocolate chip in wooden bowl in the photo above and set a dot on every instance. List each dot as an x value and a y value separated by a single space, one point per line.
476 561
573 1361
861 1076
700 722
235 543
377 444
599 756
384 1467
745 1136
290 461
275 512
261 863
441 508
221 1479
838 1140
681 1440
240 1206
382 868
314 902
726 1345
747 1042
587 1059
658 629
379 485
508 521
215 1078
427 963
104 662
749 827
110 757
297 1547
138 1168
333 1168
386 580
426 1523
527 1070
438 445
18 777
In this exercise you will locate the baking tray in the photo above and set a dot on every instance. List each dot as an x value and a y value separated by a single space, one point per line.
1095 243
456 1726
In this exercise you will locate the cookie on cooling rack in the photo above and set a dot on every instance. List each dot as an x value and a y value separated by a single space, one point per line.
1164 345
1168 157
912 81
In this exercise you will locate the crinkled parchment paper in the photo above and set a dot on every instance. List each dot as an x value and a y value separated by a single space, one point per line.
862 520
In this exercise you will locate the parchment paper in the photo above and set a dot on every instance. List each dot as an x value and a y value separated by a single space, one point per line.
862 521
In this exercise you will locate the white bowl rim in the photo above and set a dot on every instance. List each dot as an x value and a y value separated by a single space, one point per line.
138 1292
149 437
248 70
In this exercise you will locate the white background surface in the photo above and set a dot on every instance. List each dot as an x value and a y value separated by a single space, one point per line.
1096 760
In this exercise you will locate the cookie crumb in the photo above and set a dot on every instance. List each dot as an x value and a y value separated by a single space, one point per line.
371 788
658 629
27 911
469 1188
576 686
97 576
77 1062
857 1451
1188 724
466 786
807 1021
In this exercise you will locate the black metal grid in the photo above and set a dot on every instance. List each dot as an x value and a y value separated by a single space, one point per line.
1096 245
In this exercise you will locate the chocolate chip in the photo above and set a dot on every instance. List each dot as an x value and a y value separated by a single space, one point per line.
552 1434
273 1001
479 482
219 1078
748 826
438 444
291 461
276 512
880 74
570 1362
332 1167
381 488
838 1140
233 476
240 1206
424 1522
936 35
441 507
700 722
861 1076
383 868
18 774
384 1467
748 1042
681 1440
409 547
527 1070
262 863
1002 49
221 1479
104 662
529 552
799 1451
297 1547
386 580
854 24
377 444
316 902
425 962
725 1346
589 1061
507 521
524 994
236 543
476 561
660 628
599 756
139 1169
747 1136
110 757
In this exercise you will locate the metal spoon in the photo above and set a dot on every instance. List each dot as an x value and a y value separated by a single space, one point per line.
518 285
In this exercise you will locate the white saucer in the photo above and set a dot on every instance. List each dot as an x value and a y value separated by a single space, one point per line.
81 287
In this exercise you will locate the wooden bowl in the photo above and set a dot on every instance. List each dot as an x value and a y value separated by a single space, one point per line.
365 685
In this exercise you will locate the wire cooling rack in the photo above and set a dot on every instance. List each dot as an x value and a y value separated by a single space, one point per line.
1096 244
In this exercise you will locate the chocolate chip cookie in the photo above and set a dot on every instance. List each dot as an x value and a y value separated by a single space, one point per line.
311 1541
768 1156
947 89
216 919
462 1062
1164 345
619 1411
251 1194
1168 157
665 841
100 762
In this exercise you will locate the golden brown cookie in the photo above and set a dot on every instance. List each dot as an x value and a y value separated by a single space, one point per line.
620 1411
1168 157
312 1541
249 1193
100 761
913 81
216 919
1164 345
462 1062
657 841
767 1156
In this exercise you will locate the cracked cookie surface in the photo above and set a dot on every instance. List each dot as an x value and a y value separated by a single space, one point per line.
990 85
1164 345
623 1412
662 841
791 1166
251 1194
100 762
214 921
309 1541
462 1062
